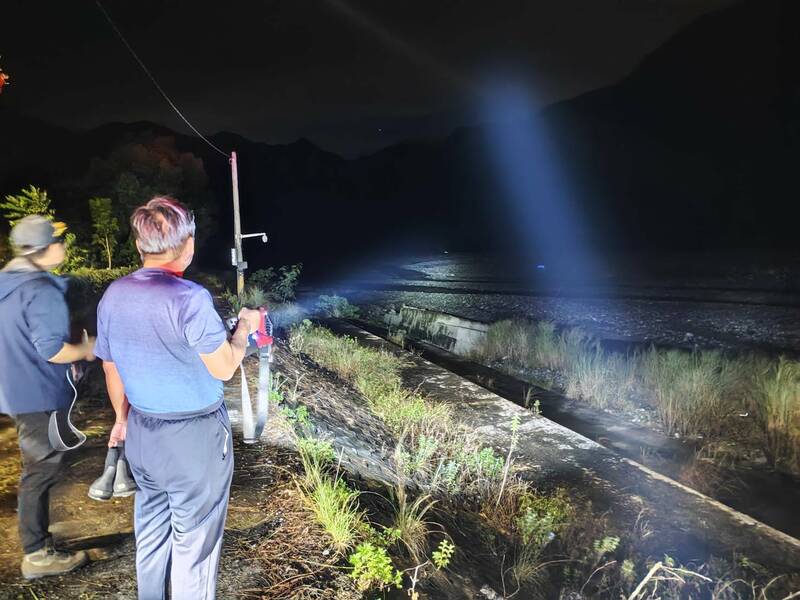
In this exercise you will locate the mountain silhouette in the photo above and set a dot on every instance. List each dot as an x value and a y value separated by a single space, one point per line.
696 149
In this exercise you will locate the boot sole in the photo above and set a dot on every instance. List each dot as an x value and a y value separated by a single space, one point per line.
124 494
99 497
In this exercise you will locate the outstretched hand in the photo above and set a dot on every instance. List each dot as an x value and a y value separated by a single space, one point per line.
118 433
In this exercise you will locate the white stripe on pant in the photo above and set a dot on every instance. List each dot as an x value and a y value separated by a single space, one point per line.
183 469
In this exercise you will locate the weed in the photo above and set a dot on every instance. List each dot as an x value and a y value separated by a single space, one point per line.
279 285
373 569
335 506
409 521
252 297
443 554
690 389
315 455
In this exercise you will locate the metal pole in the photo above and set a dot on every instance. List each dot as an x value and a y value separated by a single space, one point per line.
237 228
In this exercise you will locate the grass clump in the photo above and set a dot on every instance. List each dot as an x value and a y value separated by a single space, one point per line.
409 521
692 391
776 404
336 508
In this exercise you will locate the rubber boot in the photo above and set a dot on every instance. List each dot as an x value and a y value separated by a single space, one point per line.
103 487
124 484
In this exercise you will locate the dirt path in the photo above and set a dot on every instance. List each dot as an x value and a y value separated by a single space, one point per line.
272 546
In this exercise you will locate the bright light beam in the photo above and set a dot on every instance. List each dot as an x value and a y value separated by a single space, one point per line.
542 208
401 47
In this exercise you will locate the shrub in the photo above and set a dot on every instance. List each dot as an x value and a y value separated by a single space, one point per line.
336 307
281 285
252 297
97 280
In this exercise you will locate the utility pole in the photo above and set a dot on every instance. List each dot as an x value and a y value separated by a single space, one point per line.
238 258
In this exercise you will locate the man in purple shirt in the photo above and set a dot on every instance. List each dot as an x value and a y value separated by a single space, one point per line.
165 353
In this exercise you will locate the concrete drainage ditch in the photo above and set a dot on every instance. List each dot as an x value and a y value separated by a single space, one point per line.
552 450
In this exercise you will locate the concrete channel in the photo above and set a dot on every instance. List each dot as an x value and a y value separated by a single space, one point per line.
688 524
449 341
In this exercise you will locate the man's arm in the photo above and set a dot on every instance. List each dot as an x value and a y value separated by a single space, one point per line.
116 392
70 353
223 362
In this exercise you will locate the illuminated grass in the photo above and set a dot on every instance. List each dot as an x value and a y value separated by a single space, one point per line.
436 451
692 393
777 406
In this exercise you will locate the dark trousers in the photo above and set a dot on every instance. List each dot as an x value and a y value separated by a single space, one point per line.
183 469
41 469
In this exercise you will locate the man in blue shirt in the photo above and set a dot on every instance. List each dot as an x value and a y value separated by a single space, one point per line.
165 354
34 359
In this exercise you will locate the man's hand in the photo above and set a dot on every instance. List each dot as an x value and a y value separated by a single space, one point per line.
251 317
118 433
87 345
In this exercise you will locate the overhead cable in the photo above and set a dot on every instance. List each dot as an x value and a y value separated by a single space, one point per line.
155 83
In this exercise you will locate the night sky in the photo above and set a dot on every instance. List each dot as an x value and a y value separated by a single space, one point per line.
351 76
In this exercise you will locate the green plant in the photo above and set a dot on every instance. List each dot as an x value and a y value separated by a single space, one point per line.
284 288
443 554
281 285
335 507
691 389
105 225
336 307
315 455
777 407
409 520
30 201
252 297
373 569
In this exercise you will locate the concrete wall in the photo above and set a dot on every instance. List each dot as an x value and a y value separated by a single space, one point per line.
455 334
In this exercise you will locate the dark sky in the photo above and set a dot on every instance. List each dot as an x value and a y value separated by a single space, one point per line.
351 75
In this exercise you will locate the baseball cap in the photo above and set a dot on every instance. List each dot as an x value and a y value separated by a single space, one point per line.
34 233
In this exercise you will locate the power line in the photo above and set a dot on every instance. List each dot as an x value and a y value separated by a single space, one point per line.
155 83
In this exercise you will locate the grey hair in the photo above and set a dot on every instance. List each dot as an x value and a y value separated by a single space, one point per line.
161 225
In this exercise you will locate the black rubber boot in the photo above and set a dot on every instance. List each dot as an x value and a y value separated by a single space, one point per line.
103 486
124 485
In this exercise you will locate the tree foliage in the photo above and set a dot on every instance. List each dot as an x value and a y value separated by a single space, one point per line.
30 201
36 201
105 226
149 166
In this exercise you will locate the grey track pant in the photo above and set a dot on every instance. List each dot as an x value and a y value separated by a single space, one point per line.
183 469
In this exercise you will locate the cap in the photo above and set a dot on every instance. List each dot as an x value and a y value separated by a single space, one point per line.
34 233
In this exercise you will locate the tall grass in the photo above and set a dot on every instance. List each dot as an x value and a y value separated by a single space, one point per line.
777 407
692 393
436 452
335 506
